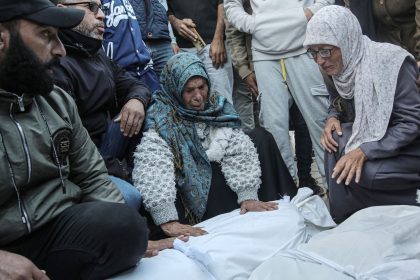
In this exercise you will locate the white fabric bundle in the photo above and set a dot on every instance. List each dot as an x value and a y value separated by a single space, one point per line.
237 244
377 243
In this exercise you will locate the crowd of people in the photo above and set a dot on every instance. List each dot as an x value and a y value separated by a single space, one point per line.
127 122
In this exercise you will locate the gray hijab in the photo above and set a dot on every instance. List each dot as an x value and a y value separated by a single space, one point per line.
369 75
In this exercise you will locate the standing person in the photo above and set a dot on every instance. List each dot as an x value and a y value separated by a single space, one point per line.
284 72
156 31
246 89
372 136
207 19
111 102
59 212
123 42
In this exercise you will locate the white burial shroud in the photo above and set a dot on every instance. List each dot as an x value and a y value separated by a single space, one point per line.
376 243
236 244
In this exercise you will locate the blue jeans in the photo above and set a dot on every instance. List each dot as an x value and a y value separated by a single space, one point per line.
161 52
116 145
130 193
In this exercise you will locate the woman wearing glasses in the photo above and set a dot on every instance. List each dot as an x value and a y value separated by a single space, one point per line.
372 135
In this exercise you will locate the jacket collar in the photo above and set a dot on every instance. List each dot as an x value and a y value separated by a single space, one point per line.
20 102
79 44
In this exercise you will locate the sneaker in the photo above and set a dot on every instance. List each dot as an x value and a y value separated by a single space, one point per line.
311 183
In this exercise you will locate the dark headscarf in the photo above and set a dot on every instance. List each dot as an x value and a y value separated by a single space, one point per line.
174 122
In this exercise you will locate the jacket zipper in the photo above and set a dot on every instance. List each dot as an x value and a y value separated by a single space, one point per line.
24 214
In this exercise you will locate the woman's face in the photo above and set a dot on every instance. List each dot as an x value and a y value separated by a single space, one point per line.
195 93
332 63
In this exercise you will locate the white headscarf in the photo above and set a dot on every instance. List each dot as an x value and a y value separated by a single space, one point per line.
369 75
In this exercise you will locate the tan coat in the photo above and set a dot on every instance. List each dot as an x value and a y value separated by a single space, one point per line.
398 22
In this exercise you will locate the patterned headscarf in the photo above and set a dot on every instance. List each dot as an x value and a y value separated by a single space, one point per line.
174 122
369 75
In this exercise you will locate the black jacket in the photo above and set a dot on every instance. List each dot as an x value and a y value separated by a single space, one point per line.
98 85
153 20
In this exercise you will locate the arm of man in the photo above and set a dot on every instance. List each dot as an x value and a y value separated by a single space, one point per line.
184 27
237 44
14 267
238 17
217 51
134 97
175 47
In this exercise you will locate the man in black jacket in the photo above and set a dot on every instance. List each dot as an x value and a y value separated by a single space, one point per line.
102 90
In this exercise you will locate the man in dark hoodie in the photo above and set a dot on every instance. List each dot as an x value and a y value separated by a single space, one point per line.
111 102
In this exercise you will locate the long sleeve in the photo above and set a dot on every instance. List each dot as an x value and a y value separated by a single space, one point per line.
88 170
128 87
171 31
154 176
404 126
241 167
237 44
238 17
315 7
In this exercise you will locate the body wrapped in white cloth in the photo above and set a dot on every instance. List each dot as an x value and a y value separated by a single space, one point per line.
236 244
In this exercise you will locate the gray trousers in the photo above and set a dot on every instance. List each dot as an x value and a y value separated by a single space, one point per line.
388 181
305 87
244 103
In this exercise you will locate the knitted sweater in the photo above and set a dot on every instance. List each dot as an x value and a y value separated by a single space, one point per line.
154 171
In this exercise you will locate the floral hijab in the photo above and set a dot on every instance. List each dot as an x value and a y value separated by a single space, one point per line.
169 117
369 75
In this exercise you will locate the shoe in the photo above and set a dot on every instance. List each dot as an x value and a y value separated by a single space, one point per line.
311 183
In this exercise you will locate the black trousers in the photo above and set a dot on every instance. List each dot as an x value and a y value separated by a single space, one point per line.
91 240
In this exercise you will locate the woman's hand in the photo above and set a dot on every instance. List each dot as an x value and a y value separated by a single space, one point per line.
327 140
257 206
349 165
175 228
153 247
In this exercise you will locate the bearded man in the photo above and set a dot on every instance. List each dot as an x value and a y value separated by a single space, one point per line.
59 211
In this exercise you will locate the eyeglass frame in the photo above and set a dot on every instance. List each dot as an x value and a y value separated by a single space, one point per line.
327 53
91 5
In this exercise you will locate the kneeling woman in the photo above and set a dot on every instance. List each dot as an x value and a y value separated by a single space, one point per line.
194 162
372 135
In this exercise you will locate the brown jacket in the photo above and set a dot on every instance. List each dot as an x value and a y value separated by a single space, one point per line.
239 46
398 22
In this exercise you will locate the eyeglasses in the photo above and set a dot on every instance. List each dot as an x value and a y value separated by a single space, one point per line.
93 6
324 53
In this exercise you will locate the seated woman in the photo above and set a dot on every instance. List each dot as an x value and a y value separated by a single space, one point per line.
194 162
372 135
